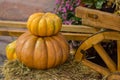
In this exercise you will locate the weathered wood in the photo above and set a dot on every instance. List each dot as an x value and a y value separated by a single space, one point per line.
118 54
88 43
113 76
92 40
71 32
114 35
105 57
76 36
96 67
79 29
65 28
16 24
98 18
16 33
78 56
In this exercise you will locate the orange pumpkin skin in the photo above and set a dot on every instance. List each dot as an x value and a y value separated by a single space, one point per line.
10 51
42 52
44 24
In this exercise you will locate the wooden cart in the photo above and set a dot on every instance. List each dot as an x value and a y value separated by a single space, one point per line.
110 30
97 27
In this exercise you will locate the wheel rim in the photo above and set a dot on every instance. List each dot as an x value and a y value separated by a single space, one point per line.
94 41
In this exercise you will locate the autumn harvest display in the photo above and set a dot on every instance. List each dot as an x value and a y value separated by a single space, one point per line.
42 46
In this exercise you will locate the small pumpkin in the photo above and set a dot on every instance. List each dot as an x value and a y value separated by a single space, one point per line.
10 51
44 24
42 52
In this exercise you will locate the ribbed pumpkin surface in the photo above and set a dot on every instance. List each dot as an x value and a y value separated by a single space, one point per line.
44 24
42 52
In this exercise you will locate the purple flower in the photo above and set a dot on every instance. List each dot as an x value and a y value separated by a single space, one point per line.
64 16
71 8
66 10
67 22
78 2
58 1
67 5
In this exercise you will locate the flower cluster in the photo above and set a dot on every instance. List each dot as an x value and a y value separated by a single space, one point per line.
66 10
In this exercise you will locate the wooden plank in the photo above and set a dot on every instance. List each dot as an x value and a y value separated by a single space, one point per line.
112 35
79 28
76 36
66 28
96 67
15 24
105 57
99 19
118 54
18 32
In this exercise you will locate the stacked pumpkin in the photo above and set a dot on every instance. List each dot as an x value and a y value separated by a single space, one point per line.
42 46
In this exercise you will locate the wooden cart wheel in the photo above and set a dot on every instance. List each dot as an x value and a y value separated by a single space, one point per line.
112 76
95 42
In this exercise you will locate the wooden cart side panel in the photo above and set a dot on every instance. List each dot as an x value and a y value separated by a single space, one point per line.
98 18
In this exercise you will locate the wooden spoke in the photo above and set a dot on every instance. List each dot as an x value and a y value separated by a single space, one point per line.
118 54
96 67
103 54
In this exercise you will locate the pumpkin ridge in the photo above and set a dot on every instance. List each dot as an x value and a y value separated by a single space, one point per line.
46 26
57 23
22 51
53 32
63 44
51 40
50 28
46 51
27 36
58 44
51 57
34 25
55 38
34 52
54 27
17 46
30 22
38 30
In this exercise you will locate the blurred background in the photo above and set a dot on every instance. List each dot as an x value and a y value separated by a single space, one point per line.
19 10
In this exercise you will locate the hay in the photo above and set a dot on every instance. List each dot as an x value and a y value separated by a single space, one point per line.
14 70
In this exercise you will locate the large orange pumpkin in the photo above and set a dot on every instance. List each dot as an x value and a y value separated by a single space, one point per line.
44 24
42 52
10 51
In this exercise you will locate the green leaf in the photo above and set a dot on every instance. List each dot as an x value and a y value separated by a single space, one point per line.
88 2
99 4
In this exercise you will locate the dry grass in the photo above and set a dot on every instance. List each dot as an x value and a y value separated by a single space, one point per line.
14 70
